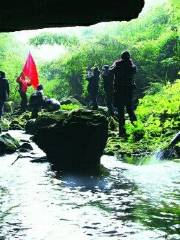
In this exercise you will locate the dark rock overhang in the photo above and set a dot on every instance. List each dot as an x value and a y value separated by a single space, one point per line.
34 14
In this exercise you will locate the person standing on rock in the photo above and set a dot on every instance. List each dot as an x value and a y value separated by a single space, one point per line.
93 86
4 91
107 76
124 85
36 101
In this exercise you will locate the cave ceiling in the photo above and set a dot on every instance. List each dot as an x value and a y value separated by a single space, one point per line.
35 14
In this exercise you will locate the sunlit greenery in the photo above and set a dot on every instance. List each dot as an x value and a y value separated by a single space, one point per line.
70 107
158 121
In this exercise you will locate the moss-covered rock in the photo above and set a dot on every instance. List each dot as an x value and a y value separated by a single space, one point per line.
70 100
4 124
73 140
18 121
8 144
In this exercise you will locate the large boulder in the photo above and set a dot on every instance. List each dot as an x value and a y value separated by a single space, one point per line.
72 141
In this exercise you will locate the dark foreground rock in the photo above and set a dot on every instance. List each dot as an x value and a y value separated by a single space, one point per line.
72 141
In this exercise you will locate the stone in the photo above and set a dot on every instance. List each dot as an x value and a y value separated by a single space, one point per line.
8 144
73 141
27 146
15 125
70 100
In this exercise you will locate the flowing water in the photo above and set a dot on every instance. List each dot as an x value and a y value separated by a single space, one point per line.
133 202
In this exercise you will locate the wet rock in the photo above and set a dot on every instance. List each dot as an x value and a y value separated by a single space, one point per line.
25 147
74 140
4 124
8 144
177 151
15 125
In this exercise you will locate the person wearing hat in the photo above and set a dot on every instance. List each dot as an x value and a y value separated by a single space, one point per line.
107 76
124 85
4 91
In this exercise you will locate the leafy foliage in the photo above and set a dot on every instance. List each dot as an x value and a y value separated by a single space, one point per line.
158 122
158 116
50 38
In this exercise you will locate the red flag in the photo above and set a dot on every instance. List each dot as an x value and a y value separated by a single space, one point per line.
30 71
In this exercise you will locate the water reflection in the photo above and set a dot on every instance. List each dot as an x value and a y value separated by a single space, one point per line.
132 202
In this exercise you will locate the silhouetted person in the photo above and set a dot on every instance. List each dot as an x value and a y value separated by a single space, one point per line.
107 76
93 86
36 101
124 70
4 91
23 85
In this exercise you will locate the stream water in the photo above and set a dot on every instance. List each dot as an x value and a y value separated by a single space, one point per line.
133 202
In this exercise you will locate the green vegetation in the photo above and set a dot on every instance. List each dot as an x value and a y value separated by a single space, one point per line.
69 107
158 121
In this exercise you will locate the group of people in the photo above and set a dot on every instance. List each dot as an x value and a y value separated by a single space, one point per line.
119 85
36 101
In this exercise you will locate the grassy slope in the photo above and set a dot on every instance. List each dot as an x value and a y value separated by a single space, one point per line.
158 121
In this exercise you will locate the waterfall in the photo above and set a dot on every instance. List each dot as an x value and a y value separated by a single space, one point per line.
168 151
